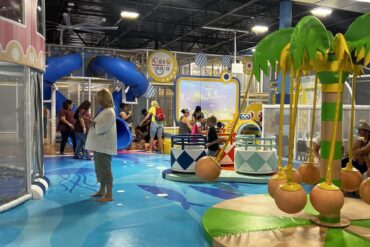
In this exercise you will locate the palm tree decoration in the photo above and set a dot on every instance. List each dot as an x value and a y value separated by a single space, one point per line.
311 48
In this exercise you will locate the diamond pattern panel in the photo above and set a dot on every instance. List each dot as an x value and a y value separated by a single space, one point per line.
185 160
255 161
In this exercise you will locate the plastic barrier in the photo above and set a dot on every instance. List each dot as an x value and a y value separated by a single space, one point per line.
255 155
186 150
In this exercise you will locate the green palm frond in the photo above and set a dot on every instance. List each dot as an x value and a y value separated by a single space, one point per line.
358 34
310 36
269 49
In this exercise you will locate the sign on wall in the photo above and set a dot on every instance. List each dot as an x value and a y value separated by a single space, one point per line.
214 95
248 65
162 66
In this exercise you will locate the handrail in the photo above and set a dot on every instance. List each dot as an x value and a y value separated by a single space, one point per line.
188 140
246 141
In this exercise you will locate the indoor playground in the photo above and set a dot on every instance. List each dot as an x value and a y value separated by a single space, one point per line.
185 123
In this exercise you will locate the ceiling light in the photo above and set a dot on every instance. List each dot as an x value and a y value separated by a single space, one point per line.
365 1
253 49
129 14
70 4
259 29
321 12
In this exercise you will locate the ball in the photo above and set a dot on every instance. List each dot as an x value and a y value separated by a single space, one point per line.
297 176
350 180
310 172
274 184
327 202
207 169
290 202
365 190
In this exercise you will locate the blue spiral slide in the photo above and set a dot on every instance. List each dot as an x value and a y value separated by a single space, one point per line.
58 67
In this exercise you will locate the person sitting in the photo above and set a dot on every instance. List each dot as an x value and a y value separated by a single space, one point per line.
184 123
142 130
361 149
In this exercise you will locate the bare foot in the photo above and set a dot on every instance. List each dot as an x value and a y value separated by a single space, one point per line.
97 194
104 199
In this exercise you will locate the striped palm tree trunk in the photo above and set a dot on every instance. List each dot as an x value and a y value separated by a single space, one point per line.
330 87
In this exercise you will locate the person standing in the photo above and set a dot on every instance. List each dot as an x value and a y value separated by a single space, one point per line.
102 139
156 125
212 140
66 125
197 114
125 114
142 130
81 116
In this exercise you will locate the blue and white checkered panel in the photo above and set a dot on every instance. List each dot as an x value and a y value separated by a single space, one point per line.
226 60
150 92
200 59
185 160
255 162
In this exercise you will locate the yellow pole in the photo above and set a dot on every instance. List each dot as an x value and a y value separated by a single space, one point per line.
281 123
350 151
334 134
235 120
292 130
310 157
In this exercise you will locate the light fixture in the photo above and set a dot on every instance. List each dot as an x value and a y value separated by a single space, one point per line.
321 12
71 4
260 29
253 49
365 1
129 14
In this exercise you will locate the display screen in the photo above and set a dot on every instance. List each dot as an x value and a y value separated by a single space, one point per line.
213 95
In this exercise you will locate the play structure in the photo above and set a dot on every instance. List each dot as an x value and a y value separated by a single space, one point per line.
22 53
185 151
255 155
134 81
328 217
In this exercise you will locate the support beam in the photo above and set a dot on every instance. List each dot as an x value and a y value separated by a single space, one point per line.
212 21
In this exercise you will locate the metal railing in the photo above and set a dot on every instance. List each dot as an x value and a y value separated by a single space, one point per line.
188 140
250 142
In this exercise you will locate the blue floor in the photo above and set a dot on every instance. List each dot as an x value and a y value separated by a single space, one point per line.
147 210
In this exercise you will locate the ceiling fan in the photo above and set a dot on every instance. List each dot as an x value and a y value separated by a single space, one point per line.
85 27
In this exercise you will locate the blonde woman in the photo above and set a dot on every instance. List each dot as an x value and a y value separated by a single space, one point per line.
102 139
156 127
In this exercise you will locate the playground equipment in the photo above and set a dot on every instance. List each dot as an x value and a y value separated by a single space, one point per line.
296 51
186 150
255 155
135 81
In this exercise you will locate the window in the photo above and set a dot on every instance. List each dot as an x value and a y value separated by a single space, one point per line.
40 17
12 9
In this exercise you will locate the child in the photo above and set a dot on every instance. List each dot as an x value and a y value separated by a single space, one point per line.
212 141
197 127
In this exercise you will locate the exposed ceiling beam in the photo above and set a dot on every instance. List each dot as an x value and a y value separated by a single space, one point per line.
212 21
142 18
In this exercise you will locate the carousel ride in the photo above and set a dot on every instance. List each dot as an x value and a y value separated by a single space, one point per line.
288 214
